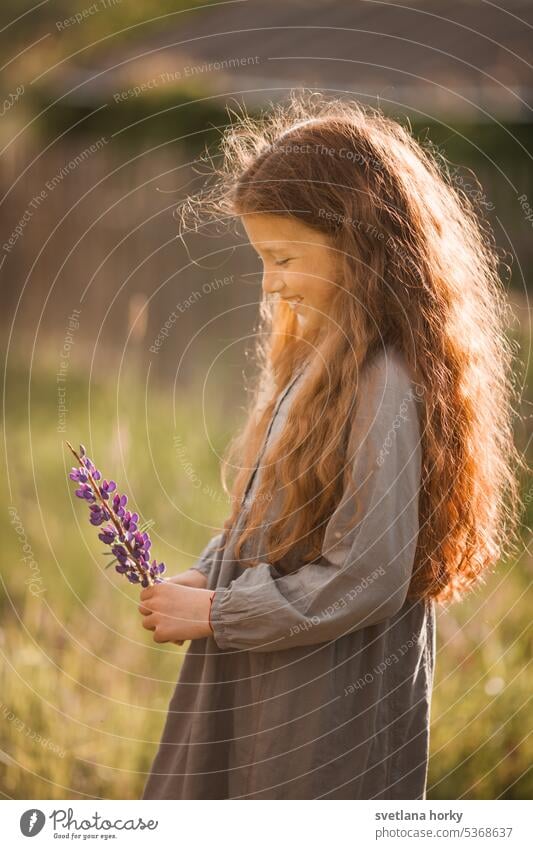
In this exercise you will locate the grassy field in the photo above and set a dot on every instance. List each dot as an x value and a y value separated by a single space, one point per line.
84 689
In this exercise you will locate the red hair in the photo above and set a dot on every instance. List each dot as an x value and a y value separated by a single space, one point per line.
420 273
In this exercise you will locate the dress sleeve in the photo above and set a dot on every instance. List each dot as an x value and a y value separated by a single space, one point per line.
363 574
205 560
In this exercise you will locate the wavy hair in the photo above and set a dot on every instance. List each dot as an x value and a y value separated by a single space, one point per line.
419 272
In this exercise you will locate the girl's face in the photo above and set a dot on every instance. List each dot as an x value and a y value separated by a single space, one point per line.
299 264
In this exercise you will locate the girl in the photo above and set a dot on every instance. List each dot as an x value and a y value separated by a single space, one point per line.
381 456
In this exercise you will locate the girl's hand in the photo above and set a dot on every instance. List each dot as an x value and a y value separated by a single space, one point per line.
190 578
175 612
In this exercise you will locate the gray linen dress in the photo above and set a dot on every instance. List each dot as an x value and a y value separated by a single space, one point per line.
317 683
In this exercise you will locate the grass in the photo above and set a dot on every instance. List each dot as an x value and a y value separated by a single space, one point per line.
84 689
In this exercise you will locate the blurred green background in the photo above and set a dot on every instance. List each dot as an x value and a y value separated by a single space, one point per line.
105 116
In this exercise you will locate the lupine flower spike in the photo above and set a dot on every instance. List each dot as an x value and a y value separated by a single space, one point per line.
129 543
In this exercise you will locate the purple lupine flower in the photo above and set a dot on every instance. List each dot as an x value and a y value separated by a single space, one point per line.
79 475
106 488
89 465
120 553
129 521
129 545
141 544
85 491
98 514
108 535
119 503
156 569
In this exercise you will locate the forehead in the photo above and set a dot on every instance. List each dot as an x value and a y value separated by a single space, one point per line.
274 233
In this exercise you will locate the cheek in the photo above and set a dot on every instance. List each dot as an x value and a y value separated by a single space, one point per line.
320 290
298 281
316 287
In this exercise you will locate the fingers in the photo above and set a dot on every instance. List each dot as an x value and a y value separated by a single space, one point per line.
152 616
159 638
150 625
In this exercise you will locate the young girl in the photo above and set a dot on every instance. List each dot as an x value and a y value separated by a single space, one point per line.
375 468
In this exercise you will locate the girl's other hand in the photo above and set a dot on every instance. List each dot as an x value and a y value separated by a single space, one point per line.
175 612
190 578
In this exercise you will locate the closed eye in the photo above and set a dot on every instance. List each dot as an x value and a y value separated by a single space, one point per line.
283 261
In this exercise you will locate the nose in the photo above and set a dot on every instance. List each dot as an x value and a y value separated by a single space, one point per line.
272 283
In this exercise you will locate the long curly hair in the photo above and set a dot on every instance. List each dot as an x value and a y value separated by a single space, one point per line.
419 272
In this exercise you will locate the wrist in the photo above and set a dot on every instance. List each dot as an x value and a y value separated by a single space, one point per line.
190 578
209 624
203 613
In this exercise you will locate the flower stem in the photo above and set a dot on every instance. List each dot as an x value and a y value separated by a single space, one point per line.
112 516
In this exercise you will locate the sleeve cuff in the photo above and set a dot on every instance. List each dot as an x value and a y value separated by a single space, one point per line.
238 614
202 566
221 634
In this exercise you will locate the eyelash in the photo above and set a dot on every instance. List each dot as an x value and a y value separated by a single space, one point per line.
279 262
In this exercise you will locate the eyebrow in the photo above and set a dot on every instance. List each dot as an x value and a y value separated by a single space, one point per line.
272 250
